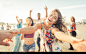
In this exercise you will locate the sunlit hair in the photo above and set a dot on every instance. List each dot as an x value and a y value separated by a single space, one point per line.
73 19
60 22
31 20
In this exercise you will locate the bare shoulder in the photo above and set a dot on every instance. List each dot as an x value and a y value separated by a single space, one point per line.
54 29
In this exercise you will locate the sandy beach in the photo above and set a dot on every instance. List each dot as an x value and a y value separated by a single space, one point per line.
81 33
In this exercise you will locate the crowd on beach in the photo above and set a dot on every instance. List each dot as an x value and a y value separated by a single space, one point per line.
50 29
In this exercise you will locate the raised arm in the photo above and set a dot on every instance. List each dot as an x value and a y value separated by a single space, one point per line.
46 11
30 13
17 19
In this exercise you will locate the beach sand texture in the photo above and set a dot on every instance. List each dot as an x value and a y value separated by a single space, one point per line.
81 33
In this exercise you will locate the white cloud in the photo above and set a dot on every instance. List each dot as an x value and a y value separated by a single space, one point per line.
34 15
10 14
1 5
70 7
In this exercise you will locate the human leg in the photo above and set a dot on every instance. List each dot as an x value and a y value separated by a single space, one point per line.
17 44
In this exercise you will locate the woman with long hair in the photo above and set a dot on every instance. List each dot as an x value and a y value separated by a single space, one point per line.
72 29
29 44
51 29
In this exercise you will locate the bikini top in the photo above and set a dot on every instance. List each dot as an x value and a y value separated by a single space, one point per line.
29 35
47 35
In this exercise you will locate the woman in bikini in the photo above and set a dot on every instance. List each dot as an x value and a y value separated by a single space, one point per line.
29 44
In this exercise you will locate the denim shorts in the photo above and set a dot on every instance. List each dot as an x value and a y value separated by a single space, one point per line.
29 47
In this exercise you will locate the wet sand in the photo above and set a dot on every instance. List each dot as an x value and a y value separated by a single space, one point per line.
81 33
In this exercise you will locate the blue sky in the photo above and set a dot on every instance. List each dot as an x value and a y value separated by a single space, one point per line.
10 8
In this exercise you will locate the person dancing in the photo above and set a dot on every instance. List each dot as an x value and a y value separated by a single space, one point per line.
51 29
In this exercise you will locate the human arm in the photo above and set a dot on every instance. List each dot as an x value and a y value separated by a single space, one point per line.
74 26
22 36
64 37
78 44
5 34
46 11
30 13
27 30
17 19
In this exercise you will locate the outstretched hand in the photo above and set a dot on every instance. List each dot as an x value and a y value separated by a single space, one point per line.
30 11
17 17
5 35
79 44
13 32
45 7
7 40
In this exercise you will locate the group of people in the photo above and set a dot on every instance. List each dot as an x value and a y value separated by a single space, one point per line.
50 29
29 43
8 27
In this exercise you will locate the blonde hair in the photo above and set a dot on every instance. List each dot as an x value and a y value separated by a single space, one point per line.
60 22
